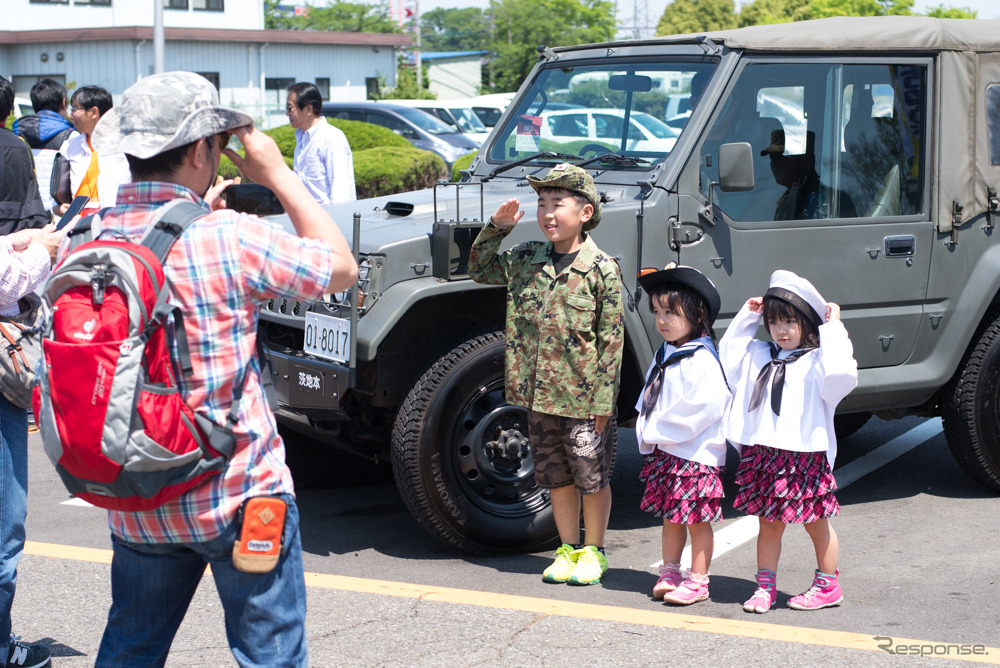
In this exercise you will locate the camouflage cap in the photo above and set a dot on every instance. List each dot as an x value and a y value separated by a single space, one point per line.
164 111
575 179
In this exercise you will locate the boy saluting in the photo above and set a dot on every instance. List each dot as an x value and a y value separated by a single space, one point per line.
564 347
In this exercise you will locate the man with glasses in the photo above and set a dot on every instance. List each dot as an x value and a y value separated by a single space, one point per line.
172 129
323 158
78 169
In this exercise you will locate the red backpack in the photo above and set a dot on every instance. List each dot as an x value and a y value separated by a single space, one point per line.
107 405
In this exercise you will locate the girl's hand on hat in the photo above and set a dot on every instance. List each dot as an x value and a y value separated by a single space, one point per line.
756 305
832 312
508 214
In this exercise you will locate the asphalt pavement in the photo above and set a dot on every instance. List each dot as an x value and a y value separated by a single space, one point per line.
918 561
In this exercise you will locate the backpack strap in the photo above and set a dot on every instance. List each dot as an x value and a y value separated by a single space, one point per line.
83 231
168 224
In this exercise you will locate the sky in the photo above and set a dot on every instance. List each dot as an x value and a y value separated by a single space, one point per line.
988 9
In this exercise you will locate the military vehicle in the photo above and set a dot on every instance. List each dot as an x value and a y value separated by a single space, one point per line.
861 153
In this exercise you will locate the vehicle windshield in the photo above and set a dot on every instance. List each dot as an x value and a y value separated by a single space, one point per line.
467 120
588 109
427 122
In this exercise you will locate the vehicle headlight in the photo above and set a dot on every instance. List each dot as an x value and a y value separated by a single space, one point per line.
367 292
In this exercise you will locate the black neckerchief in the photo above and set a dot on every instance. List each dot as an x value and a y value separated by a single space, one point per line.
778 367
651 392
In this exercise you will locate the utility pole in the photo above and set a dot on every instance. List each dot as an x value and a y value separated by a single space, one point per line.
157 36
640 19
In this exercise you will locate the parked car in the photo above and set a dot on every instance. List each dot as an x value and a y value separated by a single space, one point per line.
457 116
490 107
22 107
903 235
422 129
603 127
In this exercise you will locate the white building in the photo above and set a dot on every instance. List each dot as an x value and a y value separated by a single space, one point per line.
109 43
454 75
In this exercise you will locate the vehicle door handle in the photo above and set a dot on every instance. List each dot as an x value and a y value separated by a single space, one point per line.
903 245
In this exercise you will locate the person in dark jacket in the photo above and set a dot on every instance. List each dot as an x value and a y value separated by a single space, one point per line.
47 127
20 204
45 131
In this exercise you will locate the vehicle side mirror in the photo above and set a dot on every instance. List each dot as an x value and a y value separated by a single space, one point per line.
735 174
736 167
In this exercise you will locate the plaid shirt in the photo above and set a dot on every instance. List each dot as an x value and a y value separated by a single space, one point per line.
219 271
20 273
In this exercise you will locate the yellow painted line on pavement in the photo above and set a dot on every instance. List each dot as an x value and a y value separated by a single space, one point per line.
654 618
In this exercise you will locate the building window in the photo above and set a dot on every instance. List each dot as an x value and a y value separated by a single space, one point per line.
175 4
276 91
211 76
209 5
323 83
49 2
92 2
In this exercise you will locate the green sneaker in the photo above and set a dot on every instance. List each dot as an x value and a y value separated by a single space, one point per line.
590 567
562 567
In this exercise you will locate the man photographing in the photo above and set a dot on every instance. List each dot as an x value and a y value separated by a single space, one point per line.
224 265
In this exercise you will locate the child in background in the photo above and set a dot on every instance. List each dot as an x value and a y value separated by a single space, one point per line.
679 429
781 420
565 335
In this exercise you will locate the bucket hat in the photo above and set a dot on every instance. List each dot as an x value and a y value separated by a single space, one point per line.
164 111
575 179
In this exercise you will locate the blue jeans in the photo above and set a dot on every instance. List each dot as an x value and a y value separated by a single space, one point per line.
13 505
152 586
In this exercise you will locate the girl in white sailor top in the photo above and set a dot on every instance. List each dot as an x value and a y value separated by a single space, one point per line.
781 421
679 429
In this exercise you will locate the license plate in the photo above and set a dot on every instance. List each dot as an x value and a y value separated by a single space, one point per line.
328 337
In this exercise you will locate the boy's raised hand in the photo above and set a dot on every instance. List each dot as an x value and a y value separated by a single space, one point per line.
832 311
508 214
756 305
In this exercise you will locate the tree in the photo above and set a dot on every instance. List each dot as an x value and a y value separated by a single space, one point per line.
522 25
685 16
337 16
406 86
466 29
942 12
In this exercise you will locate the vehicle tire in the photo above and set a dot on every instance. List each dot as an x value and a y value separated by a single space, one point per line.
461 459
970 406
849 423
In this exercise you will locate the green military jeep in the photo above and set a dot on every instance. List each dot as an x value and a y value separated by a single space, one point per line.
863 154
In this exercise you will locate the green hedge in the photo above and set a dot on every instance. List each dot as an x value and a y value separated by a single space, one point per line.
460 164
388 170
397 168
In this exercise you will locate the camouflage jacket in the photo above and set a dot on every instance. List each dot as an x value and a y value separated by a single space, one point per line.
565 333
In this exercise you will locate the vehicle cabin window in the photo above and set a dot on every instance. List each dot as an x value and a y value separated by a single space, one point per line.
345 114
993 122
827 140
394 124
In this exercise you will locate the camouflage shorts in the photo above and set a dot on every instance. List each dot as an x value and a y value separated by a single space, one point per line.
569 451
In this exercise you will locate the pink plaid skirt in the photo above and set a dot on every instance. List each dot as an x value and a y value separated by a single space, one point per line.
681 491
785 486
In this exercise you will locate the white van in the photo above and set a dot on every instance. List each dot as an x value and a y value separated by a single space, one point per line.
489 108
461 117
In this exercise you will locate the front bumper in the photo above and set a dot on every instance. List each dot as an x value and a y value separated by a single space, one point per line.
313 387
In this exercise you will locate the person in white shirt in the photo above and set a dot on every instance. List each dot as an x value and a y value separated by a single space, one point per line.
679 429
781 421
323 158
81 171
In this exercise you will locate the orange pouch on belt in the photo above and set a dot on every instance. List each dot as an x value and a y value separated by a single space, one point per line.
259 546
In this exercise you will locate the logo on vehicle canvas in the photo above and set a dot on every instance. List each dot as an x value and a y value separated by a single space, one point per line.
88 330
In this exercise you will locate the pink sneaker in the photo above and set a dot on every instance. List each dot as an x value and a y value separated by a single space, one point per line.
694 588
670 577
825 592
766 593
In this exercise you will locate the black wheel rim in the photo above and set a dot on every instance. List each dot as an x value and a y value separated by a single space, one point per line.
492 459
